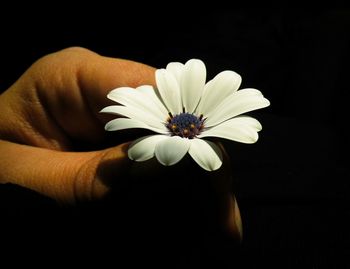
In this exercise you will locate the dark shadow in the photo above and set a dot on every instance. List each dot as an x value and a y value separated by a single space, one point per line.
162 213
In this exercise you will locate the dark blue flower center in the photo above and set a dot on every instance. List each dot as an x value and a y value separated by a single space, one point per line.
185 125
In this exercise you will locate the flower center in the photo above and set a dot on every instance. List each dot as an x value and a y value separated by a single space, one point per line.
185 124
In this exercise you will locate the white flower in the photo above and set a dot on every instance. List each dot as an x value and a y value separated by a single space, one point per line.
183 110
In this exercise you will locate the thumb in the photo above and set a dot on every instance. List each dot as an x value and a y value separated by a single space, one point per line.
66 177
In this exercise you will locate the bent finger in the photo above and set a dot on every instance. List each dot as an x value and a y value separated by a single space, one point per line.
67 89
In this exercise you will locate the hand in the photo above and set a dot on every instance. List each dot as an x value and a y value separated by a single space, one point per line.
55 103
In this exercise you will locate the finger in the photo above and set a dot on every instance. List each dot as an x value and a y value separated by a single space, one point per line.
231 217
227 205
89 77
62 93
64 176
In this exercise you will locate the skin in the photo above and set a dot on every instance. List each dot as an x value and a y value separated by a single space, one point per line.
55 103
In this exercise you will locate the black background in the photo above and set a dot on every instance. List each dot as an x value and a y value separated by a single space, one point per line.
292 185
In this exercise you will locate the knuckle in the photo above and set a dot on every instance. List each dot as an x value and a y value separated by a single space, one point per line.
76 49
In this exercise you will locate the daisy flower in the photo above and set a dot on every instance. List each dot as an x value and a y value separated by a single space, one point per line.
185 112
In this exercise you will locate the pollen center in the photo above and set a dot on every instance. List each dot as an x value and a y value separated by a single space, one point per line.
185 125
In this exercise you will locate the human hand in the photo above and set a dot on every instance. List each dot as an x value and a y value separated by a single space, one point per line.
57 102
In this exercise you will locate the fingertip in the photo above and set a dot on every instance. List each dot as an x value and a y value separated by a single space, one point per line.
98 75
238 221
234 222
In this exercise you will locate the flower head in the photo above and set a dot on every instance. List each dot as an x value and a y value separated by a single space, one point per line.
184 112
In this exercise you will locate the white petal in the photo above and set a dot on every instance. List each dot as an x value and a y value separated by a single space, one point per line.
192 84
169 90
243 129
132 98
149 92
206 154
217 89
123 123
136 114
237 103
176 69
171 150
143 148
